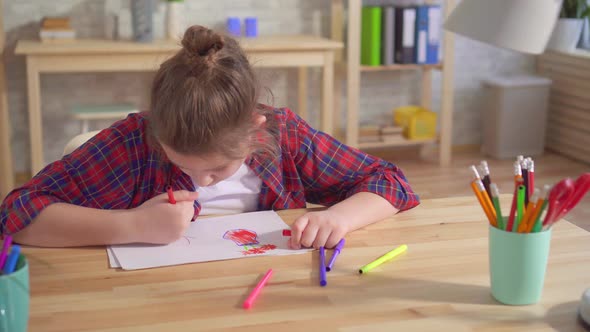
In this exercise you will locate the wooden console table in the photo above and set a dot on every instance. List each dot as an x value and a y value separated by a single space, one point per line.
118 56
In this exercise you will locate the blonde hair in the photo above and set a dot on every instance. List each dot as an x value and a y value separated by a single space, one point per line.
204 100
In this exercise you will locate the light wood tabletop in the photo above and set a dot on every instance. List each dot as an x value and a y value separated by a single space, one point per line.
300 43
440 284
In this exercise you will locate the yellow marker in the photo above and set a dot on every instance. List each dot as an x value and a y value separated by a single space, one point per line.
383 259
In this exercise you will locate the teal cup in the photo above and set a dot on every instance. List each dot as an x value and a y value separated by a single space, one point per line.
14 298
517 265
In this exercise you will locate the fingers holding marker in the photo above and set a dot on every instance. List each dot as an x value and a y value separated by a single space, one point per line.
181 195
296 232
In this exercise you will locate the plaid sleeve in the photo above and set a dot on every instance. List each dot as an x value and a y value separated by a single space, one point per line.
331 171
99 174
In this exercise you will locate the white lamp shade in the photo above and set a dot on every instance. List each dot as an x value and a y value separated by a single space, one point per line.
521 25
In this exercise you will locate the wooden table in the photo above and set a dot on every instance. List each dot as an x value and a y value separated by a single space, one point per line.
440 284
117 56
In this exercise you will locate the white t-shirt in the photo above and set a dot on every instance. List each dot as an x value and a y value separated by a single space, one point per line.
236 194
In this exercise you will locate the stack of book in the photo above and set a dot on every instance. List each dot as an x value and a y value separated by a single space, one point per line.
374 133
56 29
369 133
400 34
392 134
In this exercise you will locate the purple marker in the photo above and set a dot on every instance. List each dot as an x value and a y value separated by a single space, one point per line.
10 265
337 250
323 281
4 252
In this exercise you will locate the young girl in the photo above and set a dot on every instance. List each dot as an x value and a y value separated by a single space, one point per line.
206 136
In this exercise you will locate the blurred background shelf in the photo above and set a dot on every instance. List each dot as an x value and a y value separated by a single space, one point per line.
406 142
349 69
395 67
342 67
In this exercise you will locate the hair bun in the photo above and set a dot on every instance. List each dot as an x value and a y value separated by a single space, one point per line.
199 40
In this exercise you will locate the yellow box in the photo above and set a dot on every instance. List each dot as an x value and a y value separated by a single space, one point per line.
402 115
418 122
422 126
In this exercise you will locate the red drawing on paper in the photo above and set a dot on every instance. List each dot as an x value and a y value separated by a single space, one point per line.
248 240
242 237
259 250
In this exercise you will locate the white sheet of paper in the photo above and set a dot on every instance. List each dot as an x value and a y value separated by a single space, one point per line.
210 239
113 262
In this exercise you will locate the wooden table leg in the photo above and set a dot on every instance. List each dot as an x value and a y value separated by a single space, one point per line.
337 104
327 93
353 75
302 91
446 111
337 33
427 89
36 131
6 165
426 103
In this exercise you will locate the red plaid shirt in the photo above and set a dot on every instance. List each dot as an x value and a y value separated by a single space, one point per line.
117 169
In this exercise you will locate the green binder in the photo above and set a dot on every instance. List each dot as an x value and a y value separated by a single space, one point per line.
371 36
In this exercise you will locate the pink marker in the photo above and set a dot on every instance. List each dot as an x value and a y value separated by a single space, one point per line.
4 252
252 297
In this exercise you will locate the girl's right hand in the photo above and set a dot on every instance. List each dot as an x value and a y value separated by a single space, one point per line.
158 221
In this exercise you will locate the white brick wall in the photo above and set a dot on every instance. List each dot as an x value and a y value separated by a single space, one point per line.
381 91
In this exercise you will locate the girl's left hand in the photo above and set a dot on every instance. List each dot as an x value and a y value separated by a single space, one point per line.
318 229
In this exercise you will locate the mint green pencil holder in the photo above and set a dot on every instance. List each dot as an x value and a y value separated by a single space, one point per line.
14 298
518 262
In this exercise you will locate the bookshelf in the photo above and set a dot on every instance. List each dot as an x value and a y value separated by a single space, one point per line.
401 67
350 69
409 142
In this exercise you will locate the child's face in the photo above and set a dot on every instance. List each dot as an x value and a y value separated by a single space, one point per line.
205 170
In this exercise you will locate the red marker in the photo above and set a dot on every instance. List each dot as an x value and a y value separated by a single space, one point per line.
170 195
286 232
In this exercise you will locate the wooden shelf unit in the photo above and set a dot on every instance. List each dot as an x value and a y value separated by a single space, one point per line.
396 67
350 68
407 142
